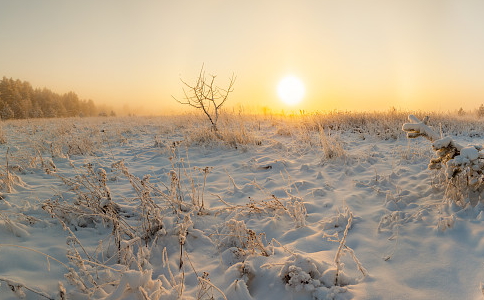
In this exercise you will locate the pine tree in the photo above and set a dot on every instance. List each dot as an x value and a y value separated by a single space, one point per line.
480 111
7 113
26 102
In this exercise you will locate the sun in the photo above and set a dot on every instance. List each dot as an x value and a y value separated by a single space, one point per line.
291 90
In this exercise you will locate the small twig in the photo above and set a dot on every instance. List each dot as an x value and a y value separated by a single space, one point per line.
13 284
223 201
212 285
94 263
396 234
282 246
357 261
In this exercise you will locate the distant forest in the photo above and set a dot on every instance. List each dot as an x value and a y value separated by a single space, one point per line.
19 100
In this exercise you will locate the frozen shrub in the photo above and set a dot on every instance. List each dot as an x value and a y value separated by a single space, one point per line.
462 166
236 234
302 273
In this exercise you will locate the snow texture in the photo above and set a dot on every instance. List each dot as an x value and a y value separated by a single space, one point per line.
81 219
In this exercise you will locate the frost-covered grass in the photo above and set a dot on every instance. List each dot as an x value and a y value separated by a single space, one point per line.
313 206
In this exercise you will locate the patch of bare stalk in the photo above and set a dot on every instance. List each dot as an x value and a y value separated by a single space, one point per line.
342 248
8 179
332 148
293 207
134 237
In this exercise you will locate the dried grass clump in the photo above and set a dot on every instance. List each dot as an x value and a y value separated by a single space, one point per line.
236 234
3 136
233 131
8 179
332 147
382 125
293 207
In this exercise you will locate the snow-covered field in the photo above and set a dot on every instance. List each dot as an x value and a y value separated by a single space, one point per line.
296 207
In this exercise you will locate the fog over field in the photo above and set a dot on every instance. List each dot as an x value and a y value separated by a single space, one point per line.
350 55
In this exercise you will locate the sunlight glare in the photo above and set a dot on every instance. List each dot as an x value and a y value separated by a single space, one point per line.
291 90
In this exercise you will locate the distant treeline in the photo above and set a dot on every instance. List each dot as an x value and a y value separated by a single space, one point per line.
19 100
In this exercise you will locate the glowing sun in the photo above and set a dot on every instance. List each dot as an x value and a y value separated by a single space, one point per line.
291 90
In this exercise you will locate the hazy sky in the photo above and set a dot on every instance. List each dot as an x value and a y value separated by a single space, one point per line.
350 54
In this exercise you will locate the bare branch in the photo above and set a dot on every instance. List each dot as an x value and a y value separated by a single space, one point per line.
206 96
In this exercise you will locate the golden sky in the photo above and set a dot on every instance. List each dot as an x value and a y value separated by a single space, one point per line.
350 54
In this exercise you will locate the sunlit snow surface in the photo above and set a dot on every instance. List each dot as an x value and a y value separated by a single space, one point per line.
279 185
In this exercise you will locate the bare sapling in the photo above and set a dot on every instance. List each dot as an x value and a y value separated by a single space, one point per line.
206 96
463 166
